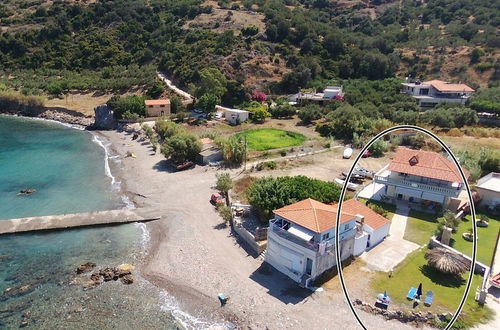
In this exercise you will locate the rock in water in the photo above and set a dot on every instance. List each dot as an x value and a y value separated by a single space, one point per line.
86 267
127 279
27 191
126 267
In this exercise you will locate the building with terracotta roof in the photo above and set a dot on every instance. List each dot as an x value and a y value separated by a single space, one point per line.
423 178
301 239
157 108
373 228
430 93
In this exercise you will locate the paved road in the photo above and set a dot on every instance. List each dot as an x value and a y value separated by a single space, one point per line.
389 253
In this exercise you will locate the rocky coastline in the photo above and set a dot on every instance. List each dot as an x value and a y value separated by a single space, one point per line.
61 115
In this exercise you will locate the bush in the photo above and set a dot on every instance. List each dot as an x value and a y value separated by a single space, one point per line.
310 113
225 212
379 209
167 129
282 111
181 147
133 105
379 147
270 165
268 194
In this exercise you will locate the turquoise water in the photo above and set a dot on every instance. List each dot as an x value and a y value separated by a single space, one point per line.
38 283
61 163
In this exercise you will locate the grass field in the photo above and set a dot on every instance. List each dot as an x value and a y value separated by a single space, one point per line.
447 290
486 238
420 227
270 138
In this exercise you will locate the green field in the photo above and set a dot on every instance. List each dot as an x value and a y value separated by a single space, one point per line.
420 227
448 291
486 238
270 138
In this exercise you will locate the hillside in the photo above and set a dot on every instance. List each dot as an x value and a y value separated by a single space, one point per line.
277 46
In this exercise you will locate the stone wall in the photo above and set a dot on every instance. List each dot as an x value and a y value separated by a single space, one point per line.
415 318
257 247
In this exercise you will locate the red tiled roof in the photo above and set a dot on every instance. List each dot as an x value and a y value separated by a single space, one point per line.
313 215
157 102
444 86
372 218
427 164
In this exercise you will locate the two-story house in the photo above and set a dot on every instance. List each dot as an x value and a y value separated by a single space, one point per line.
430 93
301 239
422 177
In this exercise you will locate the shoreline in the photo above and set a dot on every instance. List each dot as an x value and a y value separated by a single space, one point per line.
193 259
62 116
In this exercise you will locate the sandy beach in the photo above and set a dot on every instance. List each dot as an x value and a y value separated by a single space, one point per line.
193 258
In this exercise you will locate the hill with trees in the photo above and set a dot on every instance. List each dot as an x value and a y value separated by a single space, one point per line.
50 47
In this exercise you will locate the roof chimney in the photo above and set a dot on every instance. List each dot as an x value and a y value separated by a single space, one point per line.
360 218
413 160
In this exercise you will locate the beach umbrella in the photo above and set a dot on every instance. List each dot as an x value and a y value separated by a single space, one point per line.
419 290
447 261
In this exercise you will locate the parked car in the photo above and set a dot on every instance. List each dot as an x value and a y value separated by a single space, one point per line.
217 198
198 111
367 153
184 166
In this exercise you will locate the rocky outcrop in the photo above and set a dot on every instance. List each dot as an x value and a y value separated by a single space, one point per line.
84 268
104 118
122 273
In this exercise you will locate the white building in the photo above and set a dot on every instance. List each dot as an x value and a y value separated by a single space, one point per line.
423 178
488 188
430 93
236 116
329 93
373 228
301 239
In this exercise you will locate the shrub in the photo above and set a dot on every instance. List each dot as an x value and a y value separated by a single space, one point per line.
379 209
167 129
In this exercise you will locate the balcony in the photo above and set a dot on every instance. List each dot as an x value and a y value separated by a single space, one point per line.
309 245
450 192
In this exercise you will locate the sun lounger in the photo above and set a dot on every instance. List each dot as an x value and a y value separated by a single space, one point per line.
428 298
412 293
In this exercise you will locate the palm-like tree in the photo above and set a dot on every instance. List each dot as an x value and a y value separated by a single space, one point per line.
447 261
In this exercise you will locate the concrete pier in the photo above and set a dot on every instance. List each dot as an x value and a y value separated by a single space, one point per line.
76 220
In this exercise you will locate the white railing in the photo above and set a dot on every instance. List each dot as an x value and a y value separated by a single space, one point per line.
418 185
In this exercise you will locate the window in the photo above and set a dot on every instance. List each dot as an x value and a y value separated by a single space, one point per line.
150 106
162 105
424 91
325 236
347 226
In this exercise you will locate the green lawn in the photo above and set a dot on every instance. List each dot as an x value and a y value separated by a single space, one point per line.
420 227
270 138
486 238
447 291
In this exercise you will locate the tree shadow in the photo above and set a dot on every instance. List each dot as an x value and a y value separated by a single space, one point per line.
164 166
220 226
447 280
278 285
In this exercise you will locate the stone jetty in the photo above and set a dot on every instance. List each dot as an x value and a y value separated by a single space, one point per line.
63 221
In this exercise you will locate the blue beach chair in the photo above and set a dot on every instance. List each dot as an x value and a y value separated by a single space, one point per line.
429 298
412 293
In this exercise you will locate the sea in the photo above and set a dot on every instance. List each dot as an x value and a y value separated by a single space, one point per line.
39 289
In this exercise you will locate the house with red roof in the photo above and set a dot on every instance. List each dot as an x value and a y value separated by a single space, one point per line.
430 93
301 236
423 178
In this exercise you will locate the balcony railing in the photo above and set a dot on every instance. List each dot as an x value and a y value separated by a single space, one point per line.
418 185
309 245
293 238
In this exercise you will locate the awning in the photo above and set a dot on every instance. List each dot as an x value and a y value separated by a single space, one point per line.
433 197
302 233
409 192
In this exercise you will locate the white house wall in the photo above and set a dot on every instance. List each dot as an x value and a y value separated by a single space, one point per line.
377 235
488 197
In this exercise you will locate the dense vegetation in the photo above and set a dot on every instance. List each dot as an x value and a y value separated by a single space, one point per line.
268 194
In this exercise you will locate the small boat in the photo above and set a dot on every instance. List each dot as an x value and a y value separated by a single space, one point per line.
347 153
350 185
495 281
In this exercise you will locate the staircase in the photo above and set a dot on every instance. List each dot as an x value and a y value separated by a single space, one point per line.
262 256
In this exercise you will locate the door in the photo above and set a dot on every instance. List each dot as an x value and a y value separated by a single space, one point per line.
309 266
400 196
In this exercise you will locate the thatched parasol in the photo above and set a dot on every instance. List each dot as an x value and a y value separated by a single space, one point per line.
447 261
